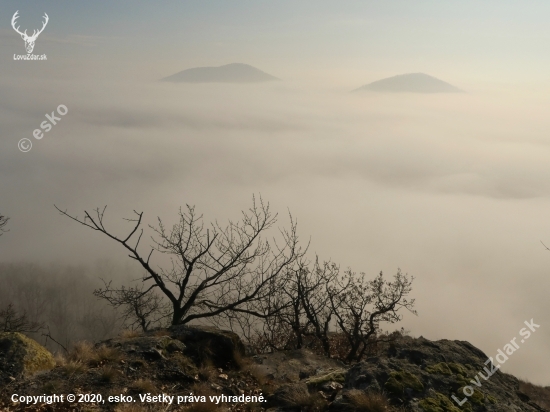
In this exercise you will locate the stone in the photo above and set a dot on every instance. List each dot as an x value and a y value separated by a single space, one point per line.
290 395
21 356
207 344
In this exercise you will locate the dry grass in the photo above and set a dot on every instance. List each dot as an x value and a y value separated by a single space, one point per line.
207 372
253 371
538 394
312 403
87 354
108 374
268 386
369 402
74 367
81 352
143 386
129 334
60 360
52 387
241 362
203 388
107 354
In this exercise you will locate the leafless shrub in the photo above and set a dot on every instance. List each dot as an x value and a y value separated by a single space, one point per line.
214 270
318 307
361 305
59 297
11 321
139 306
3 223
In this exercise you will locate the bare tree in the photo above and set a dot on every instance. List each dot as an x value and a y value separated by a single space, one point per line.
258 322
304 311
314 288
215 269
12 321
320 308
360 305
3 223
140 307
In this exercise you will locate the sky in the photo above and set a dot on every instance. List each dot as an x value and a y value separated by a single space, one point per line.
453 189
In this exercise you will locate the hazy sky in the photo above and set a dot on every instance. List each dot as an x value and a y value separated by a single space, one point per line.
453 189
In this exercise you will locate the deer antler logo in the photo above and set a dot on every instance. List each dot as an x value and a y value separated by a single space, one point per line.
29 40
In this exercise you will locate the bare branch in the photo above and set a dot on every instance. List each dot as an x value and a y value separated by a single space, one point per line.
3 223
12 321
213 270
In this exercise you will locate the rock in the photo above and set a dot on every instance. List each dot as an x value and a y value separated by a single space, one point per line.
21 356
424 376
208 344
296 365
331 386
345 400
150 347
333 376
175 346
289 396
166 352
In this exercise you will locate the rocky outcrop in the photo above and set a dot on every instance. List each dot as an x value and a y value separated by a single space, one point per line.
425 375
413 375
417 374
206 344
296 365
150 347
22 356
289 396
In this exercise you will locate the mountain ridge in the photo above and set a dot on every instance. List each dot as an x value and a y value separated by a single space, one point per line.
410 83
228 73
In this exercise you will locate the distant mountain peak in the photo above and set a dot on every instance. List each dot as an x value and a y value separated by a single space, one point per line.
411 83
229 73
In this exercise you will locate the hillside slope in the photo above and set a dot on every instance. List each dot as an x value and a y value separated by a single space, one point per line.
229 73
407 374
410 83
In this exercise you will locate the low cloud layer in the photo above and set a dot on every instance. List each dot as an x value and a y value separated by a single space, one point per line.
453 189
